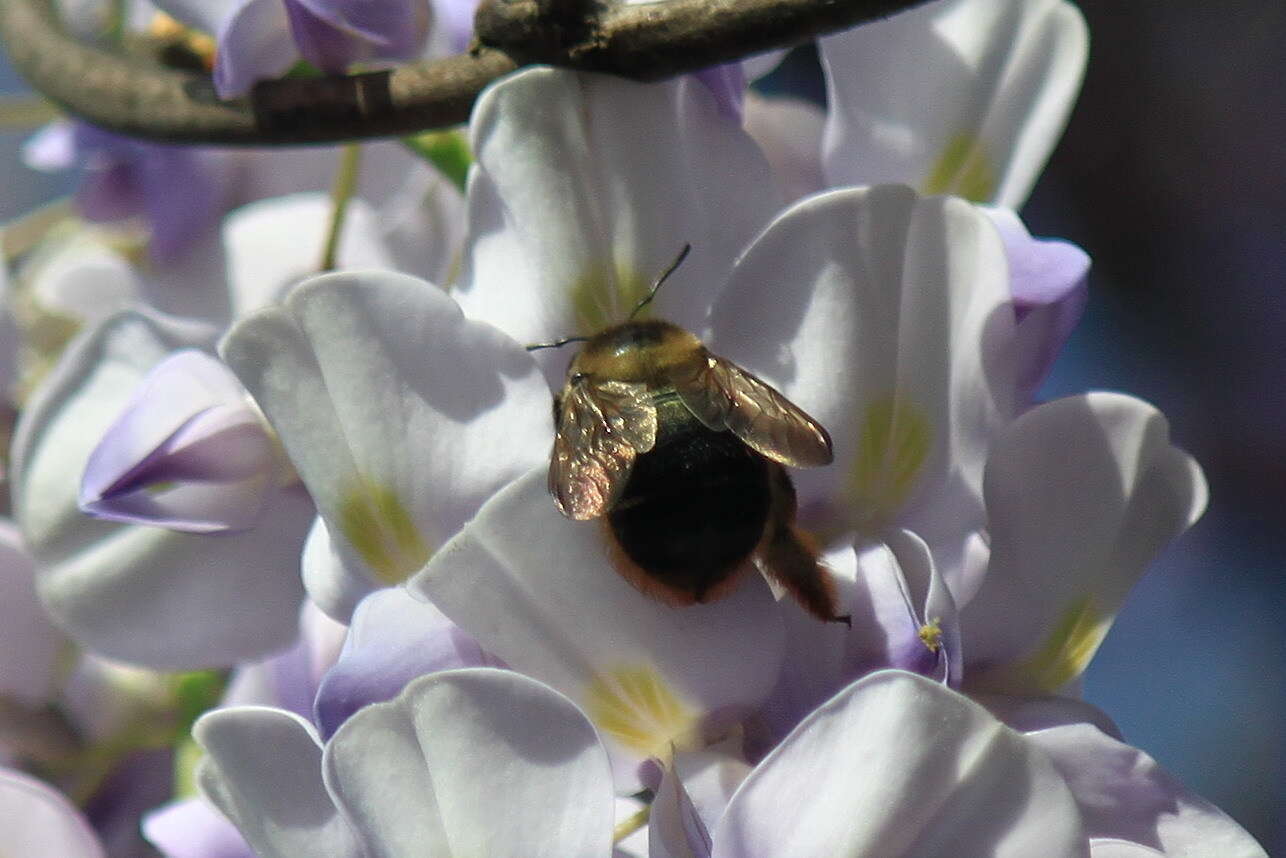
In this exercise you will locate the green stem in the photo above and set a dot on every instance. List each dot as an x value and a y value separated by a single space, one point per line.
341 193
632 824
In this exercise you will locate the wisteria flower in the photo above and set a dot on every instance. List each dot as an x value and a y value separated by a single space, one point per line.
129 184
896 764
480 760
190 827
585 189
124 178
206 464
965 97
502 689
381 392
263 39
983 91
104 582
347 351
191 452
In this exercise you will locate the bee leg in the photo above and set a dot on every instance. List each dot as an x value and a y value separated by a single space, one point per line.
788 556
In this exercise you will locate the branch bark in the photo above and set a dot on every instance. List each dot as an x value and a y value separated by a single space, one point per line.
646 42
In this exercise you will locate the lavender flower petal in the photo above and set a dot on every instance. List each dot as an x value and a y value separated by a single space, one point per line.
394 638
194 829
391 29
253 44
1049 279
189 453
321 43
727 83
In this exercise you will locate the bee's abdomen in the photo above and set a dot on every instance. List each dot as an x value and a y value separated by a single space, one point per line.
695 506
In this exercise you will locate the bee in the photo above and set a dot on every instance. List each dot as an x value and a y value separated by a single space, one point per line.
680 453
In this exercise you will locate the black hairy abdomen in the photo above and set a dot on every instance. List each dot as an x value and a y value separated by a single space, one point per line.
695 505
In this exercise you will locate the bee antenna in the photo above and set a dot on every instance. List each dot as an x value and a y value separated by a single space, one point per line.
665 275
557 344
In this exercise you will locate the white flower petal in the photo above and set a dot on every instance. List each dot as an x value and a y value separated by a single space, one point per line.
82 278
586 188
143 594
910 296
35 819
958 96
694 793
634 845
1081 494
52 148
29 643
539 591
474 762
1124 794
818 656
263 768
400 416
273 244
789 130
1121 849
1026 714
423 224
332 584
899 765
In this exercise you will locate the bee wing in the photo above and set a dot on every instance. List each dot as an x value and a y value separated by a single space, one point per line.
722 395
602 426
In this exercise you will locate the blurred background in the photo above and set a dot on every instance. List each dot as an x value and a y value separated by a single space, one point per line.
1172 175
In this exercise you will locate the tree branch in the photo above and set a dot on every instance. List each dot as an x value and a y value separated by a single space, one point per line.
646 42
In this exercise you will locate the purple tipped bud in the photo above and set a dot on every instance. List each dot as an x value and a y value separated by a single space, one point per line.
1049 281
190 453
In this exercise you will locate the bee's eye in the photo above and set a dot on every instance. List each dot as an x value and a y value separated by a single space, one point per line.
577 377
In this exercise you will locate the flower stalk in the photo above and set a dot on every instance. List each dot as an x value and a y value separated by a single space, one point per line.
350 161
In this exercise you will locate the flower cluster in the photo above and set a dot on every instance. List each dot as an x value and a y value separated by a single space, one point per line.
330 489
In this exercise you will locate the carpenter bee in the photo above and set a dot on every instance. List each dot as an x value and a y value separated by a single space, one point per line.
681 454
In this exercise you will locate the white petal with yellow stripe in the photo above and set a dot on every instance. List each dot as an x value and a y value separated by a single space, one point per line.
400 416
539 591
1082 493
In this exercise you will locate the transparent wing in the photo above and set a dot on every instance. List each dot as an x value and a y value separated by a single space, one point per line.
602 426
724 396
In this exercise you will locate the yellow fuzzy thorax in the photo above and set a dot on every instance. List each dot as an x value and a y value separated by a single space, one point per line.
636 351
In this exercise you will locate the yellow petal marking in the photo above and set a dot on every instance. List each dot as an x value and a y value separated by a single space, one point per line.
963 169
1062 657
375 521
1070 646
893 444
601 299
633 705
